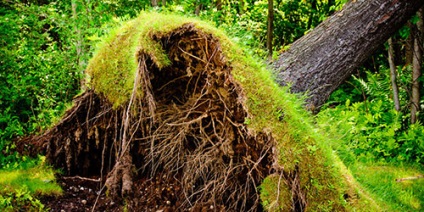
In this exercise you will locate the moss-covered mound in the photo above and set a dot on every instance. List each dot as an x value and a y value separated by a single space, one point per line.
177 117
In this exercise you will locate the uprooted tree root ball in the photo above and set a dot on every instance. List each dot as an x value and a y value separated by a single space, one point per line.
183 124
177 118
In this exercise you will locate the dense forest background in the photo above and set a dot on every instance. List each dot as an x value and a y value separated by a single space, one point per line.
374 116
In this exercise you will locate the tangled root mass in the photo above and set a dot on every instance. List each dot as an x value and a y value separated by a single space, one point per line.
186 128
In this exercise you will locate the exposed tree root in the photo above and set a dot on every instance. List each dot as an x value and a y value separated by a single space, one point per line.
184 124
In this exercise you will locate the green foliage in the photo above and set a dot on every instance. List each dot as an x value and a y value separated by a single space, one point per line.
44 50
372 130
246 21
20 199
36 73
20 186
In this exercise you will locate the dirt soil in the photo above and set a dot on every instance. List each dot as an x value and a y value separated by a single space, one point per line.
86 194
150 195
79 195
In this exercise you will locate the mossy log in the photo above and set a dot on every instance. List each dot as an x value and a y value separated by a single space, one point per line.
172 103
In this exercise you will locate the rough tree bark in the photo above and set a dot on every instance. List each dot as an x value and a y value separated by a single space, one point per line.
320 61
409 45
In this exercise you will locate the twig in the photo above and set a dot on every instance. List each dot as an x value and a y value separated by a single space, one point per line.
82 178
279 186
97 199
409 178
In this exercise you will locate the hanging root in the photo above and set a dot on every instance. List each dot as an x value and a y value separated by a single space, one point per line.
186 128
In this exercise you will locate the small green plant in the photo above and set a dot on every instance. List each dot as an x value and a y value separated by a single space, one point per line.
20 199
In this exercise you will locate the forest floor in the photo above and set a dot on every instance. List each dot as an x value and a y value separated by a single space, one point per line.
79 195
84 194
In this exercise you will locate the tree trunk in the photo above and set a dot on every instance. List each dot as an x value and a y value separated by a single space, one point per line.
79 42
393 74
219 5
409 45
270 28
154 3
320 61
198 9
416 67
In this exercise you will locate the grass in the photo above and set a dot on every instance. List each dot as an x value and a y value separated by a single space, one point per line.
380 181
20 187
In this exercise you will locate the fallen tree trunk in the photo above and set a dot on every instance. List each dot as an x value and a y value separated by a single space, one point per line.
324 58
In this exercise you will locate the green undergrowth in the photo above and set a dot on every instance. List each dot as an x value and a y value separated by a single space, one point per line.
21 187
303 154
371 145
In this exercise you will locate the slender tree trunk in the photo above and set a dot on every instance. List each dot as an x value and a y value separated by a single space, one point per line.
393 75
79 42
270 29
416 67
163 3
409 45
321 60
198 8
154 3
219 5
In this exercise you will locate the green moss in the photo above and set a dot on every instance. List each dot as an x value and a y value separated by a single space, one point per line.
274 196
271 108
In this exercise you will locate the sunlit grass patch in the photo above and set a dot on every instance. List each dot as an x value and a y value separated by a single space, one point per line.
380 180
21 187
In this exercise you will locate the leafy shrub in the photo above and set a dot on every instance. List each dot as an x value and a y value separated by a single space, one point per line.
37 74
372 129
